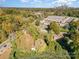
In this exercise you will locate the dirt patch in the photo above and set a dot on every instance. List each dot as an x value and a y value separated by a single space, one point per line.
6 54
24 40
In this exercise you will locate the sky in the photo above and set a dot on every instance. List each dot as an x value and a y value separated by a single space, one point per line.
38 3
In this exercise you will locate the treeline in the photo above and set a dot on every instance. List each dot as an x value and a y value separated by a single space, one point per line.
73 12
59 11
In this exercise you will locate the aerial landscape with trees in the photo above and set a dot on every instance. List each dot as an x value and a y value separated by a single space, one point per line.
39 33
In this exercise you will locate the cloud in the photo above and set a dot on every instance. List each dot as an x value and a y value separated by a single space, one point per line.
49 2
66 2
44 1
25 1
77 2
2 0
32 1
38 1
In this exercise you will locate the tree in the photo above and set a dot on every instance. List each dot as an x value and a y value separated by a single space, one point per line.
75 45
56 51
37 22
33 30
75 38
7 26
55 27
2 36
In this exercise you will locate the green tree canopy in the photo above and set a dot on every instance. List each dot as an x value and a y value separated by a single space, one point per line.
55 27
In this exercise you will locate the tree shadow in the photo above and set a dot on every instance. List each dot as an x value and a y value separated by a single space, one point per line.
66 46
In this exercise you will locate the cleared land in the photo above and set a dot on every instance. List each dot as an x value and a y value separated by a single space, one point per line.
6 54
